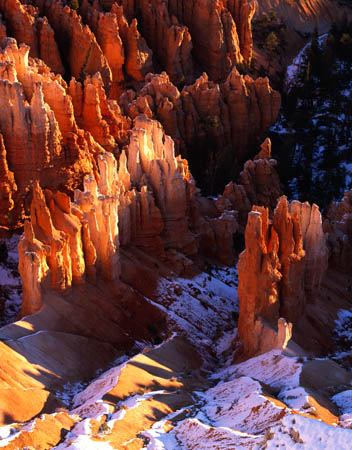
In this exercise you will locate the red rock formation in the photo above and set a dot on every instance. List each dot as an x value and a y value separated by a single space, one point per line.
84 55
170 40
106 30
48 49
88 110
259 274
38 116
152 162
3 32
221 32
70 240
20 21
279 271
258 184
33 269
125 49
149 202
25 25
224 117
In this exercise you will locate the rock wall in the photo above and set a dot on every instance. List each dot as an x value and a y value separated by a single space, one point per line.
279 272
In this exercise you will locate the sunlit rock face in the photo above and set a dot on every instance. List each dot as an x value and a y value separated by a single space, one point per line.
67 242
279 272
51 132
148 199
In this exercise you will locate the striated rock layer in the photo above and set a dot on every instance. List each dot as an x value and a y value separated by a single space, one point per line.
279 272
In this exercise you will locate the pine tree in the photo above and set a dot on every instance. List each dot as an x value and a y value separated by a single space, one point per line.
74 4
271 46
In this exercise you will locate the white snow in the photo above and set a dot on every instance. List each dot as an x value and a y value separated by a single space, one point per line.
344 329
296 398
299 432
293 68
344 401
240 405
202 306
83 442
193 434
273 368
98 388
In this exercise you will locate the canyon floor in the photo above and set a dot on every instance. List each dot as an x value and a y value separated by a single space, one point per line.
183 392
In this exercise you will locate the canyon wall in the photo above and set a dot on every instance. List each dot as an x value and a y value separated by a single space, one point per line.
41 122
148 200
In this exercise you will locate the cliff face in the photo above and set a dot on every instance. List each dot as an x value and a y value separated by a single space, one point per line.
254 187
150 202
304 16
8 187
280 271
219 32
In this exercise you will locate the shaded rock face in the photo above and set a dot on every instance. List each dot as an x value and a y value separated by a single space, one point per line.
258 184
122 36
212 124
303 16
219 33
279 272
8 186
24 24
338 226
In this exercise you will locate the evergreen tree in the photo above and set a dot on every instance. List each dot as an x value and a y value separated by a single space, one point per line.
271 46
74 4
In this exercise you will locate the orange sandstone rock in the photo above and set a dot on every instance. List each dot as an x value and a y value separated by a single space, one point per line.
279 272
84 54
